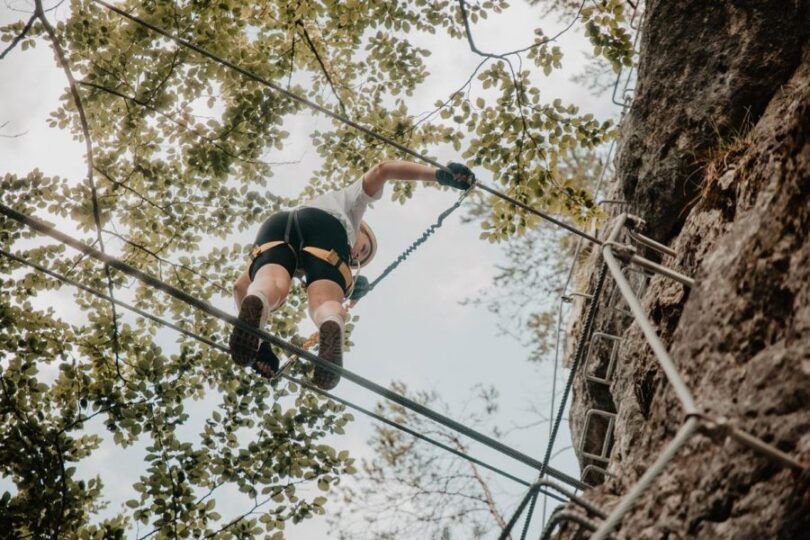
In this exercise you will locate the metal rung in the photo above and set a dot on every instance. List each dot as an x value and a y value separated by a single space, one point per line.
639 291
614 353
561 516
606 437
652 244
594 469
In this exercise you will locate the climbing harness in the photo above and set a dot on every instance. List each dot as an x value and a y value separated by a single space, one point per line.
327 255
359 286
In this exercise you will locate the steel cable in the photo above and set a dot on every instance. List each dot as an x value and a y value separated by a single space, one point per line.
587 331
578 355
340 117
224 349
184 297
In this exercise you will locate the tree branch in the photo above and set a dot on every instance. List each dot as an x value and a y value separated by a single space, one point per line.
20 36
518 88
488 499
170 263
476 50
182 125
136 193
4 124
323 67
77 100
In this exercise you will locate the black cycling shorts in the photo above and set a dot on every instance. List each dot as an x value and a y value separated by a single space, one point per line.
315 228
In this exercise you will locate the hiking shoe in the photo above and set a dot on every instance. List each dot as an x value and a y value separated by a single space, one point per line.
266 361
330 348
244 344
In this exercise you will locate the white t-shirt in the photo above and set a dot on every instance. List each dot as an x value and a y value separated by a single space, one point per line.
347 204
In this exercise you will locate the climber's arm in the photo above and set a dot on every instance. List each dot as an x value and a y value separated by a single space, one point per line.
376 177
455 175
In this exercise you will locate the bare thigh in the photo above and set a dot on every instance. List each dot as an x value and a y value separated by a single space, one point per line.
273 280
322 291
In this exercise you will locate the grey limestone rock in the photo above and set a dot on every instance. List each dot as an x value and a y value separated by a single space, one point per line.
715 157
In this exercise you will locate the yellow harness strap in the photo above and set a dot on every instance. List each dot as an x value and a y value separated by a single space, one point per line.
330 256
334 259
258 250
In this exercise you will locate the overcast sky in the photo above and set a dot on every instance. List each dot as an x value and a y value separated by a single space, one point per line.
413 328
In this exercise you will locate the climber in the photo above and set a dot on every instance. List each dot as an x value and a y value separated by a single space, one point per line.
321 240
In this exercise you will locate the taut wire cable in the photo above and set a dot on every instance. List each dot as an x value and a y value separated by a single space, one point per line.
341 118
184 297
206 341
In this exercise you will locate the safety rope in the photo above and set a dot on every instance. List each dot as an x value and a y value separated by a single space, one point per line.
186 298
362 287
575 257
587 329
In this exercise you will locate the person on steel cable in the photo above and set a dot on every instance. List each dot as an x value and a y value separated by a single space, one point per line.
323 239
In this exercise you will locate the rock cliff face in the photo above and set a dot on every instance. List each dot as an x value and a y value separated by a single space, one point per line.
707 72
715 157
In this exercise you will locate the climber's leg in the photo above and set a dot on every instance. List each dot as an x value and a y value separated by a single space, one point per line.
267 292
325 299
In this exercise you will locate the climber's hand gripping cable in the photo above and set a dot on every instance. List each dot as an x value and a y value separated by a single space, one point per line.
456 175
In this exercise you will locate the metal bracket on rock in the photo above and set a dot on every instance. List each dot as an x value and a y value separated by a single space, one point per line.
635 223
717 429
623 252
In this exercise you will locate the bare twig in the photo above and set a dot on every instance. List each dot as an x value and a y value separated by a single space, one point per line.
476 50
4 124
561 450
77 100
488 499
239 518
20 36
323 66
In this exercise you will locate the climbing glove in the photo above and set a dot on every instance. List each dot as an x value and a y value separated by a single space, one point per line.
267 362
458 176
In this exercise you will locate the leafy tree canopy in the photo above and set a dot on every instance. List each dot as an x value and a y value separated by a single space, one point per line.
180 148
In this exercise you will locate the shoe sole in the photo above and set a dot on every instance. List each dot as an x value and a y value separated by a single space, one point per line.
330 348
243 344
